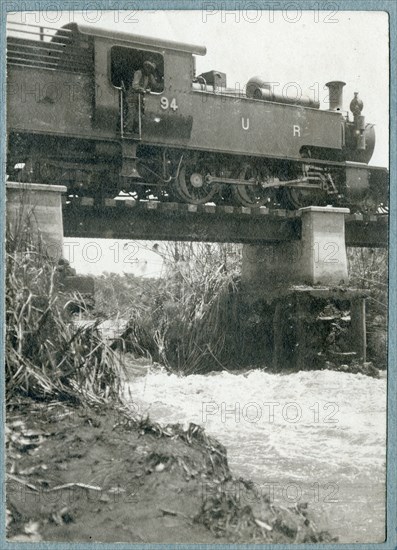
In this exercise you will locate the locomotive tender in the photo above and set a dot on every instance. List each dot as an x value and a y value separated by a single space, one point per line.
197 140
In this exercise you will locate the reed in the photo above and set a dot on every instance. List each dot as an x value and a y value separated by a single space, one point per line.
47 356
189 319
197 329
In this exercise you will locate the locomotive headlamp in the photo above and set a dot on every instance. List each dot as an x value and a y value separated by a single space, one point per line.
356 105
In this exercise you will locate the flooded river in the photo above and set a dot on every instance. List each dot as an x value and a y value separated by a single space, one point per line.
316 437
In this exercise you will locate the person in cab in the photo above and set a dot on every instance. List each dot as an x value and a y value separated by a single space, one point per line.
144 80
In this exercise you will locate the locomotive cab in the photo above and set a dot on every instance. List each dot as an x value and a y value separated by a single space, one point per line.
118 55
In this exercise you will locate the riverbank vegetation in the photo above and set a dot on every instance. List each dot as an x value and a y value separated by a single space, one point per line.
368 268
47 356
81 465
195 320
190 320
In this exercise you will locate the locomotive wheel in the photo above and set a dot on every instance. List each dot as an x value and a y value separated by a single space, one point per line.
191 185
254 195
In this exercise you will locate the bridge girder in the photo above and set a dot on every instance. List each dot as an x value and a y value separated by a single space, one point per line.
152 220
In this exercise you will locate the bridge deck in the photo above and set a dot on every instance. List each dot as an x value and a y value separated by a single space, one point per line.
153 220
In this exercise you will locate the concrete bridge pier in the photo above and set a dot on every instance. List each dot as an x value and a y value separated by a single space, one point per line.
298 278
34 212
318 258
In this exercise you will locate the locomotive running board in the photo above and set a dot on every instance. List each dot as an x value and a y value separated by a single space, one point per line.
302 183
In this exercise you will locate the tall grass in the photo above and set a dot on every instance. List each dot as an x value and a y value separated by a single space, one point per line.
189 320
196 325
47 356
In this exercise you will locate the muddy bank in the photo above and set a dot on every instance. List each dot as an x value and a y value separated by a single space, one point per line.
91 474
334 441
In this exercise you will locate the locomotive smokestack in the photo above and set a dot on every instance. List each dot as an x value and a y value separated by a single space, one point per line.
335 95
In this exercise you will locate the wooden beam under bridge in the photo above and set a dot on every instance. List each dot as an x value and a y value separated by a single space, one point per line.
153 220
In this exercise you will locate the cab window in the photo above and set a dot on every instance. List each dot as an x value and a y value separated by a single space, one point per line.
125 61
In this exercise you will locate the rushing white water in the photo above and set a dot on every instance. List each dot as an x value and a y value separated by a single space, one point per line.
316 437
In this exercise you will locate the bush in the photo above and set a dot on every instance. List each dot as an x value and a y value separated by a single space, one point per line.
368 269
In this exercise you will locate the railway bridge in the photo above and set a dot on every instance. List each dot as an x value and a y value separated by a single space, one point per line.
148 220
291 259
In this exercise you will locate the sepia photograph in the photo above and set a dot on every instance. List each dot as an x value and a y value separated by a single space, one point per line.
199 292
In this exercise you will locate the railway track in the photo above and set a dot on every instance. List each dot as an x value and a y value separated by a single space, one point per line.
130 219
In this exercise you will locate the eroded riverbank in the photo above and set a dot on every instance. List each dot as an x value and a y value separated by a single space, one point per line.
79 474
316 437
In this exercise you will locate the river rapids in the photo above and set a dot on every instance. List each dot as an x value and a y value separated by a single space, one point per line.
317 437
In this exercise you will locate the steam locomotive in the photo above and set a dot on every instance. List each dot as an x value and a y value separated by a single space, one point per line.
196 140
